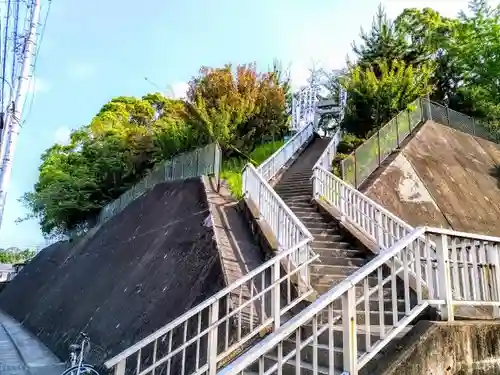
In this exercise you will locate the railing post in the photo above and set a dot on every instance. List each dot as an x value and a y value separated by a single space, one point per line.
379 232
315 183
212 338
397 129
443 268
120 367
355 171
429 108
276 300
378 147
343 203
494 259
349 342
448 115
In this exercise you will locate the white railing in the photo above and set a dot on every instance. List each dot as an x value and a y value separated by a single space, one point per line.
351 323
207 336
326 158
285 226
202 161
270 168
382 226
210 334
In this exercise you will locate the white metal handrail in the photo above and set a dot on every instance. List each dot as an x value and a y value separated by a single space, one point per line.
378 223
203 338
270 168
326 158
467 274
284 224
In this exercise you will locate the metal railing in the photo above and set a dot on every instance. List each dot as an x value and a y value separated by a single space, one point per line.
361 163
270 168
382 226
209 335
326 158
459 121
284 224
212 333
202 161
351 323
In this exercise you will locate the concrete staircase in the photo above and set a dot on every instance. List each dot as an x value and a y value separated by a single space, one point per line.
339 257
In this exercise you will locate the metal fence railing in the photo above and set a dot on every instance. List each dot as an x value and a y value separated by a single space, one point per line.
361 163
202 161
460 121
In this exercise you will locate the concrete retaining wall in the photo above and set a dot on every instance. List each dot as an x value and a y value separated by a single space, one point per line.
435 348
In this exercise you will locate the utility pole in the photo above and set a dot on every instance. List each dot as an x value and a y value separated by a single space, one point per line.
14 116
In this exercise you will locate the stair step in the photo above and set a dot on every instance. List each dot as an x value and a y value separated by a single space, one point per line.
328 241
328 259
335 279
323 287
293 187
333 253
316 232
306 183
373 331
324 240
311 215
309 210
322 244
297 198
300 205
288 368
333 269
320 225
322 349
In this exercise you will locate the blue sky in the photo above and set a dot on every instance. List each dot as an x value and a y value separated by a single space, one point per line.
95 50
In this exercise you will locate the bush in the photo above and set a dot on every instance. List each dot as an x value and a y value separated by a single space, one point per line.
336 169
349 143
231 168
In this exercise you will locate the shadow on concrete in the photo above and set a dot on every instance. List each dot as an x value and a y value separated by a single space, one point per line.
495 172
139 271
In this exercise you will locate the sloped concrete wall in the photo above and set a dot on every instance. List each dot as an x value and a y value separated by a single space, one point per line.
443 178
139 271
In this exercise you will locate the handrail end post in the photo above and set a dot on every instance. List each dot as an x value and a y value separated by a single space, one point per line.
444 287
120 367
349 331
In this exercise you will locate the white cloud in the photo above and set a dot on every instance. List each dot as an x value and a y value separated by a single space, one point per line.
179 90
81 70
38 85
61 135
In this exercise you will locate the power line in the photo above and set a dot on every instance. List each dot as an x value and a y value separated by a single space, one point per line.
33 80
29 49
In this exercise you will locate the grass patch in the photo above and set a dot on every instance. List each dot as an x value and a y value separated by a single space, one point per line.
231 168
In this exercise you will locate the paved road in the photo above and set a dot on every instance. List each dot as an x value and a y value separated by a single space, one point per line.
23 354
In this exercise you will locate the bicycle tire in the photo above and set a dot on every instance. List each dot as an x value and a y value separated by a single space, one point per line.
84 370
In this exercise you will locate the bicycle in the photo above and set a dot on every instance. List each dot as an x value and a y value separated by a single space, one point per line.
76 366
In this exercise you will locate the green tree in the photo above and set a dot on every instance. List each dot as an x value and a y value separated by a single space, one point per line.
15 255
128 136
375 95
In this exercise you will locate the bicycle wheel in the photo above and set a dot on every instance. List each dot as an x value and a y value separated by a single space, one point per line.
84 370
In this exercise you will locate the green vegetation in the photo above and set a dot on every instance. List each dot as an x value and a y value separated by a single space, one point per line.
231 168
14 255
456 61
237 107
